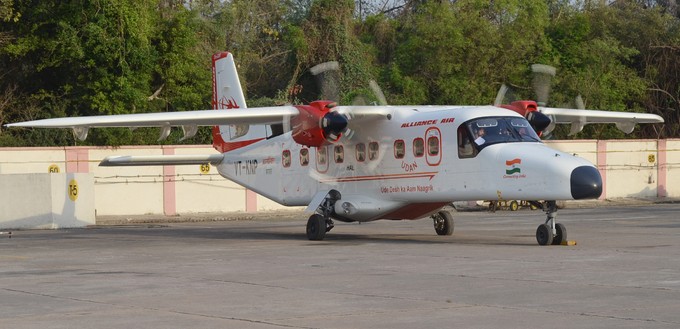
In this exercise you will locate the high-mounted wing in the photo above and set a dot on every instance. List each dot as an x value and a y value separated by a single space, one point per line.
578 118
189 120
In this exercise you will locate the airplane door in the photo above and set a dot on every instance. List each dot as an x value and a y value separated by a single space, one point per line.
433 143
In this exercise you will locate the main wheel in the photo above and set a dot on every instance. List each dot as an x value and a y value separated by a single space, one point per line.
544 235
316 227
560 234
443 223
514 206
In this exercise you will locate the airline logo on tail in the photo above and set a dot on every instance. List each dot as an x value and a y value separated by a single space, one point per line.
227 104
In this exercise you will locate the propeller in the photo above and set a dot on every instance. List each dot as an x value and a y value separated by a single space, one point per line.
327 76
500 95
543 75
576 127
338 122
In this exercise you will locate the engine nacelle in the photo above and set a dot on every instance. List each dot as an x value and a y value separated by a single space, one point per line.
317 125
529 110
522 107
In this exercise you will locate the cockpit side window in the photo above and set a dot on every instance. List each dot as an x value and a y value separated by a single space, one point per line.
465 148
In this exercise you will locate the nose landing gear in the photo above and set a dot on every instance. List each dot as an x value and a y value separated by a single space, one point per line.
551 232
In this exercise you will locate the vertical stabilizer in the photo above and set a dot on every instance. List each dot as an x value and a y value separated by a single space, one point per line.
227 95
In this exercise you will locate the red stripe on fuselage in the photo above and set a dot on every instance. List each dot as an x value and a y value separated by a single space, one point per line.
415 210
379 177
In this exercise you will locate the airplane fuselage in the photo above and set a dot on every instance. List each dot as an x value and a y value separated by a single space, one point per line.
415 161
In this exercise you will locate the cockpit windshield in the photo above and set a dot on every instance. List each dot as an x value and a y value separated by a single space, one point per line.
477 134
489 131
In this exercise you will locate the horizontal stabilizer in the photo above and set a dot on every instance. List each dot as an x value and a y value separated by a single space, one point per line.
160 160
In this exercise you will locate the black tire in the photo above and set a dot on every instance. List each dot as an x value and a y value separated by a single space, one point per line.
514 206
544 235
443 223
316 227
560 234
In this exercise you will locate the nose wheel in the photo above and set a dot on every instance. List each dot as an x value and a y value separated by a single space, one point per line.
551 233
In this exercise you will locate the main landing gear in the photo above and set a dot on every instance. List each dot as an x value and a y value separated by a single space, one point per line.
317 226
443 222
321 222
551 232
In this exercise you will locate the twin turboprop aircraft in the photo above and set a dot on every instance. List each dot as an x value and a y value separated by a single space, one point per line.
364 163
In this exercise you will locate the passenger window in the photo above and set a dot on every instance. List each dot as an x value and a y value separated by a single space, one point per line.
418 147
339 154
304 157
373 150
285 158
361 152
321 155
433 146
399 149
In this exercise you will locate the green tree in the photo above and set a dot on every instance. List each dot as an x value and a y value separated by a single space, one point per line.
460 53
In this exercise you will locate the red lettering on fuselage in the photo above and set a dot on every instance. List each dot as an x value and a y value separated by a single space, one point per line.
419 123
426 122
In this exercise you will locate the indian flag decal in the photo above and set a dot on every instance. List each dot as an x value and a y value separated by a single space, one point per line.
513 166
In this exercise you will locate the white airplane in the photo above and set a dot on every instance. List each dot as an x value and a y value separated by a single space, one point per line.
364 163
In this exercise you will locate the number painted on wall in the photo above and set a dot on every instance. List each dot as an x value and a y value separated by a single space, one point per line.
205 168
53 169
73 190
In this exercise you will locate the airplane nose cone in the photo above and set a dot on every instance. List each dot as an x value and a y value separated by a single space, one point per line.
586 183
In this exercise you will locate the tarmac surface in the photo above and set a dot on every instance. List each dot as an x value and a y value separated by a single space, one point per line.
254 272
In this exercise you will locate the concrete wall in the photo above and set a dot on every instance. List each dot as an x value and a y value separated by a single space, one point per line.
630 168
168 190
46 200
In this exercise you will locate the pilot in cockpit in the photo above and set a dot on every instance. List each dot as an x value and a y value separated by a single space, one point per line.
479 138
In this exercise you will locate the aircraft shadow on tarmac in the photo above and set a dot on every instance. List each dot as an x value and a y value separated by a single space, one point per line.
293 233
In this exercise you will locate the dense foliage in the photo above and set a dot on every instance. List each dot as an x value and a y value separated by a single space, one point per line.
74 58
